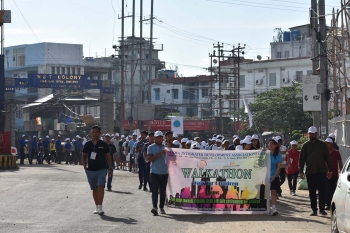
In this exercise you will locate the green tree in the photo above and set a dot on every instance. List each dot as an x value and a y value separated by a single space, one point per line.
278 110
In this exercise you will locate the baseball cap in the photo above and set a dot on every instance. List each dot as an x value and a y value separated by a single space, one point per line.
158 134
218 140
175 135
34 136
294 142
77 136
248 136
329 140
332 135
184 140
52 139
255 136
273 139
225 141
58 136
112 135
26 140
47 137
278 138
214 138
247 141
23 135
73 140
196 138
107 135
312 129
219 136
134 134
189 142
67 139
194 146
176 142
117 134
235 136
122 136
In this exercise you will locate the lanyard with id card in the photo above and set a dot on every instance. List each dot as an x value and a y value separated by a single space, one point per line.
93 154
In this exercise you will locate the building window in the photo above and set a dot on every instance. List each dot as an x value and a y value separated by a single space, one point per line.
242 81
7 52
286 54
19 112
279 55
309 72
78 71
205 83
250 71
73 70
19 57
205 92
272 80
185 94
260 71
157 93
299 76
175 93
167 91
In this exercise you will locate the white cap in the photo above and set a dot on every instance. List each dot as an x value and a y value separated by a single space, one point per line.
247 141
278 138
175 135
26 140
235 136
214 139
122 136
158 134
218 140
47 137
23 135
52 139
107 135
274 139
67 139
184 140
176 142
329 140
294 142
219 136
332 135
312 129
117 134
73 140
189 142
34 136
241 142
196 138
134 134
255 136
77 136
225 141
40 138
112 135
58 136
248 136
194 146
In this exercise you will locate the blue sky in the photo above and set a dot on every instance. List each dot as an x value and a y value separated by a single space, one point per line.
186 28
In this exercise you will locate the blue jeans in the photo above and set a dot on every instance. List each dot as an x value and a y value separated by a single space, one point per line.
159 182
109 180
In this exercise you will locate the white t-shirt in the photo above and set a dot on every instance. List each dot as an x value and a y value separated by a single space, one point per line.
239 147
215 147
116 144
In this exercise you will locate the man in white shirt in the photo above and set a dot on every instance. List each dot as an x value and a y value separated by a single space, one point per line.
217 145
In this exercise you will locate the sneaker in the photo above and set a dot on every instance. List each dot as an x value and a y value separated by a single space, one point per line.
140 186
313 213
327 208
293 193
273 212
109 189
162 211
154 211
145 189
322 212
96 211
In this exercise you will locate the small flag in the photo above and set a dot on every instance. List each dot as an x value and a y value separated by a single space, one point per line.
177 125
247 110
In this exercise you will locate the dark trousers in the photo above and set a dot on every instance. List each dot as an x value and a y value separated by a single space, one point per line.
34 152
159 182
109 180
148 171
143 178
53 155
331 185
282 179
59 156
46 155
317 182
67 157
293 178
21 152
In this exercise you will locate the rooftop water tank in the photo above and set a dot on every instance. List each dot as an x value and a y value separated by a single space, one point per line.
286 36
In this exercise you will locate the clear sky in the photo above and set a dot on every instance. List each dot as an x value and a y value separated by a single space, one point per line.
186 28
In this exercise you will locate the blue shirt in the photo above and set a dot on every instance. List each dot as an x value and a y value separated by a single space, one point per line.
34 145
274 163
22 143
46 144
58 144
131 146
158 166
139 145
67 146
78 145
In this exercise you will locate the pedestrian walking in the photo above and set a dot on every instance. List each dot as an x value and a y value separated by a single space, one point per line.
67 149
26 150
58 147
46 146
292 168
112 153
276 161
159 172
331 182
315 155
148 163
96 153
34 150
143 176
283 151
332 136
122 155
53 150
116 141
21 149
131 151
78 150
39 159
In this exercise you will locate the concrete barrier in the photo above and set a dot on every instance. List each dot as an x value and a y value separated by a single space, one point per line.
8 162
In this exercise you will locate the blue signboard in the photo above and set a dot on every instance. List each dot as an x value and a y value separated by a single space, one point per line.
10 89
108 90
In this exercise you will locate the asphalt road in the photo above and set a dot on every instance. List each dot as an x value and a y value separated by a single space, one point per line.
57 198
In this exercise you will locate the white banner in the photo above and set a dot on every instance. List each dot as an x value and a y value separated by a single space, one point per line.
177 125
229 182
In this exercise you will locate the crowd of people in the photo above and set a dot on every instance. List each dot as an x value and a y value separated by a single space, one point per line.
145 154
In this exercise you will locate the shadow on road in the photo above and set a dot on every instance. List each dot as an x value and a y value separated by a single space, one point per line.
123 220
120 192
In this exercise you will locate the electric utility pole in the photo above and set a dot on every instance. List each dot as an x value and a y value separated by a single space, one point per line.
323 69
122 115
150 63
219 56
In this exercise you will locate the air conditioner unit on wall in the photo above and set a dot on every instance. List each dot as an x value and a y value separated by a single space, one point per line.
258 81
285 80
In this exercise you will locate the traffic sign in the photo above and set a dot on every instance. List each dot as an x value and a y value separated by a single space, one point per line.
311 99
5 16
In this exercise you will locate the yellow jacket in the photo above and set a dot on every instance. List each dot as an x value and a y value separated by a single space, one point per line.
52 146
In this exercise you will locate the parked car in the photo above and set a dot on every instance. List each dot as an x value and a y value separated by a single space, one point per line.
340 208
